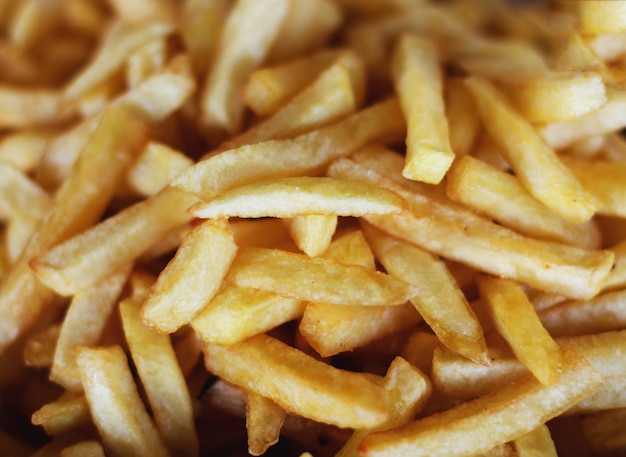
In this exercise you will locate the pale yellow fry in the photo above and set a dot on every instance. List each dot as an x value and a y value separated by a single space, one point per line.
331 329
121 41
21 195
146 61
264 419
192 278
236 313
558 96
284 158
313 233
267 89
602 16
537 443
441 303
317 280
39 347
500 196
249 31
463 120
608 119
69 411
457 234
23 149
78 204
90 256
494 419
298 382
84 449
84 324
25 107
300 196
535 164
116 408
336 93
309 25
139 11
162 380
419 83
603 179
152 101
406 391
516 320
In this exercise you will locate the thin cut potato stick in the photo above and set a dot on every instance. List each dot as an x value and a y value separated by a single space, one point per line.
289 197
107 246
264 419
70 410
441 303
535 164
294 275
301 384
83 449
312 233
537 443
32 107
247 36
169 396
178 294
506 415
284 158
457 234
117 410
418 81
78 204
463 120
515 319
39 347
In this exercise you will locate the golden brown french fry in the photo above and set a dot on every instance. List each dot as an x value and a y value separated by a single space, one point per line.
264 419
287 273
477 242
146 61
107 246
248 34
535 164
142 10
78 204
406 391
162 380
23 107
516 320
463 120
441 303
23 149
500 196
84 324
300 196
419 84
602 16
494 419
284 158
39 347
84 448
299 383
192 278
537 443
116 408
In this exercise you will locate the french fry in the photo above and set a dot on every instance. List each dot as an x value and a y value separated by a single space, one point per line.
32 108
84 448
23 149
247 36
69 411
39 347
463 121
459 241
406 392
501 197
116 408
601 17
314 385
441 303
312 233
83 325
75 209
149 221
168 395
138 12
264 419
177 296
289 197
269 88
287 273
535 164
307 153
535 443
418 81
506 414
515 319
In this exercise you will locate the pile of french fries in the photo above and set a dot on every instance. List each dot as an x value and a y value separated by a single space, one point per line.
312 228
